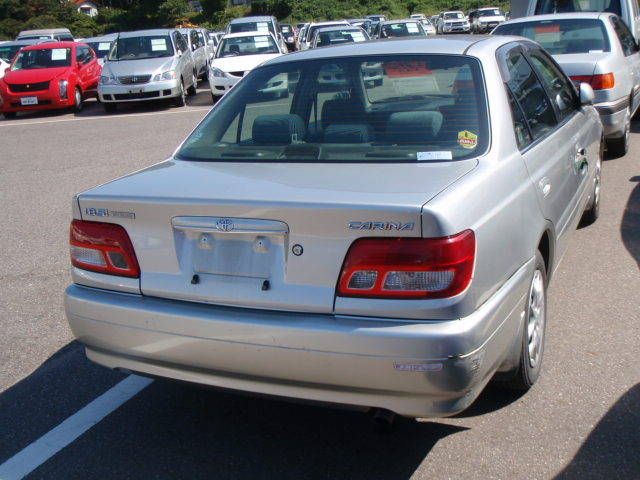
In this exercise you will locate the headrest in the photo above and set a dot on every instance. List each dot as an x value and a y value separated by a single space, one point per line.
278 129
413 127
348 133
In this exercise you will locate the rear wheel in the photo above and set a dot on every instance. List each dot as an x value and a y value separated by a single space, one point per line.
77 100
110 107
533 335
618 147
593 212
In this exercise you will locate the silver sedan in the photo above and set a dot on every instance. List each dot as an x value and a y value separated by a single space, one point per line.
378 244
596 48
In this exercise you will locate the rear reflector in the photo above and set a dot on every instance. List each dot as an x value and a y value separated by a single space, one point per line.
599 81
102 247
408 267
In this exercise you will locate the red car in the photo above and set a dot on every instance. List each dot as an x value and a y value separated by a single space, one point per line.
49 76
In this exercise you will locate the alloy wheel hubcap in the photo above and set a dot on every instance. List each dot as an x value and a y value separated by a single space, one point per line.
536 319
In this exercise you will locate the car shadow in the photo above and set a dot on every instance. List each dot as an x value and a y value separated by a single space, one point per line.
493 397
178 430
612 449
630 225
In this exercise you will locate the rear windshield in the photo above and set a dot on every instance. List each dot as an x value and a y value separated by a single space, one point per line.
251 27
562 6
335 37
409 29
560 37
43 58
400 108
258 45
139 48
101 48
7 52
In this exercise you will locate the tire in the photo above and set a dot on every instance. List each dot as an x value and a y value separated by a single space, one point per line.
214 98
9 115
528 371
110 107
618 147
77 100
205 75
194 85
181 99
593 212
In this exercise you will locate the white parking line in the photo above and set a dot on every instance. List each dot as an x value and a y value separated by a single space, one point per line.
35 454
13 123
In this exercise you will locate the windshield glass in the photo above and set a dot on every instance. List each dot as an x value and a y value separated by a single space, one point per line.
251 27
139 48
453 16
562 36
335 37
494 12
408 29
255 45
43 58
7 52
400 108
101 48
561 6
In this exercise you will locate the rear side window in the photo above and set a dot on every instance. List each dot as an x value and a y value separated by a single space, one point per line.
530 96
628 43
520 128
403 108
560 37
564 6
557 84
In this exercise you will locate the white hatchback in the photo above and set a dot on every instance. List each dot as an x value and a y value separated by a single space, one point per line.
237 55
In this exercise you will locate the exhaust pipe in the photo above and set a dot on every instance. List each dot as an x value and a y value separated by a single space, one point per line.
383 420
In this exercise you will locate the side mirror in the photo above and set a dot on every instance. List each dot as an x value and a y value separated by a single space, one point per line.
586 94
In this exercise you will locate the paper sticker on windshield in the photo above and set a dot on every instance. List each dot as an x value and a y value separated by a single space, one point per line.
547 33
263 27
412 27
467 139
102 46
357 36
158 44
426 156
58 54
406 69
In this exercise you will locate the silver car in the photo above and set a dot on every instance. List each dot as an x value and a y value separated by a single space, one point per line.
596 48
199 47
148 65
386 246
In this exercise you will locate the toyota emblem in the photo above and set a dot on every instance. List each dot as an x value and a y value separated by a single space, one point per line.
224 224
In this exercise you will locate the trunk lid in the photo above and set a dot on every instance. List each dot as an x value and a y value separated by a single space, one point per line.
235 225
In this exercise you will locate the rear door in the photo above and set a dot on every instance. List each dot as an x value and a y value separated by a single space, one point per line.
548 148
631 57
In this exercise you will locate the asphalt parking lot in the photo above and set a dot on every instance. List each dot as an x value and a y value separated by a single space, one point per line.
580 421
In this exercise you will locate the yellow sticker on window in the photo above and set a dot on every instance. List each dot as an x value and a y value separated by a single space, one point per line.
467 139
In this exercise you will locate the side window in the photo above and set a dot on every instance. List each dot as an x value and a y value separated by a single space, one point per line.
628 43
560 88
530 95
194 39
523 136
82 55
180 42
201 39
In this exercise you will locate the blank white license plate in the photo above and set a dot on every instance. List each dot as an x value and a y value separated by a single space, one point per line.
29 101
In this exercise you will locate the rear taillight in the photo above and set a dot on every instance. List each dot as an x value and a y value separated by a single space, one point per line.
408 267
102 247
599 81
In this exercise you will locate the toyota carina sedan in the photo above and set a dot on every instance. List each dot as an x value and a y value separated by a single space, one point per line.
379 245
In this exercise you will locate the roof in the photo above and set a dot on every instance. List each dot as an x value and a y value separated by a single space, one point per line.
400 20
330 23
31 41
444 44
560 16
146 33
48 45
44 31
109 37
340 28
248 34
261 18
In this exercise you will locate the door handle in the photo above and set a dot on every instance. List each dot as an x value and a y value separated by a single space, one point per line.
580 161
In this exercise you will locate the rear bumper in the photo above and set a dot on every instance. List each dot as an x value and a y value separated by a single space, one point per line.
613 117
415 369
